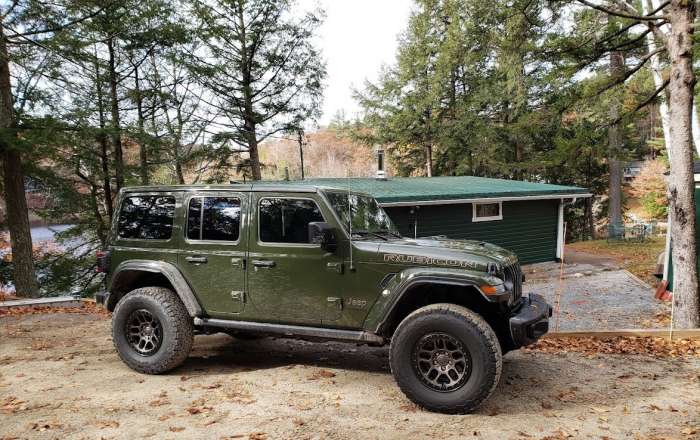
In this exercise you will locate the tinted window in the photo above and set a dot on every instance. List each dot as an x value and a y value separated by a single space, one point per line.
147 217
194 219
367 215
220 221
287 220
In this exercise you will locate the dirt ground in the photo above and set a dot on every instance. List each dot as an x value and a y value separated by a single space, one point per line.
61 378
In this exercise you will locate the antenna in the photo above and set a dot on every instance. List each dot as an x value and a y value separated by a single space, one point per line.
347 177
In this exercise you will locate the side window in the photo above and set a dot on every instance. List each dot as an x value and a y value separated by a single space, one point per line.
214 218
287 220
146 217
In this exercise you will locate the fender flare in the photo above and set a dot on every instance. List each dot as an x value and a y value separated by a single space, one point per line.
169 271
404 287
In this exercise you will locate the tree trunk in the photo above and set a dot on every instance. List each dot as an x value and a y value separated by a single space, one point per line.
655 62
253 151
24 275
249 113
429 160
681 187
617 63
301 151
143 147
104 147
18 223
178 171
116 123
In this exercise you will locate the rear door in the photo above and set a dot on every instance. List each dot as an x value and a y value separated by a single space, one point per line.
213 252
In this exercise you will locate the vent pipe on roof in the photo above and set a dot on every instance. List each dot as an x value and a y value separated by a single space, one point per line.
381 173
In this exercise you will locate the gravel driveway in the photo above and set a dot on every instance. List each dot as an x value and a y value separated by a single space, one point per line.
597 297
61 378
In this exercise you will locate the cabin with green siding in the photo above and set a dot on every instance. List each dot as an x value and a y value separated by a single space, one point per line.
524 217
528 228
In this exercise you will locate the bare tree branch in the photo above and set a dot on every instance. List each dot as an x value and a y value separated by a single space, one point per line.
622 14
644 103
61 26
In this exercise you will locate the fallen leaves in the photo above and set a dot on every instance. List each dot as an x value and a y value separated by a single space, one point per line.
45 426
199 406
409 407
105 424
11 405
237 396
690 431
657 347
40 345
86 308
558 435
318 374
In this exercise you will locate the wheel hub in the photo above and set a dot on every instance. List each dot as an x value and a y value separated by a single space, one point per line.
144 332
442 362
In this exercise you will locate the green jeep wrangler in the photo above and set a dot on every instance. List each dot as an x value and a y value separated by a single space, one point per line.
315 263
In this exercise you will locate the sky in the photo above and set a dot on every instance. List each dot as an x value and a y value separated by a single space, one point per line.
357 38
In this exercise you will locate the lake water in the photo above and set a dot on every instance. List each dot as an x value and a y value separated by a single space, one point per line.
46 233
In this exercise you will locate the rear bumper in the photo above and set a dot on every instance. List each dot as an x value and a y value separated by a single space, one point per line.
102 297
531 322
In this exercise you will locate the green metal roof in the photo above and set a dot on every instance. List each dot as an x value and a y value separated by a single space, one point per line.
449 188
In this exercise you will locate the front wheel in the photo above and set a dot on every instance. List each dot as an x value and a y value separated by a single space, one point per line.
446 358
151 330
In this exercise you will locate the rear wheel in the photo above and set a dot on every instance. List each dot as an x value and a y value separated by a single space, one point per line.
152 331
446 358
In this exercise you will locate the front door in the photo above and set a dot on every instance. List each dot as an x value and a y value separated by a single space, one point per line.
289 279
212 257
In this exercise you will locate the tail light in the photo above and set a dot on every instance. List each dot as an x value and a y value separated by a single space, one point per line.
102 261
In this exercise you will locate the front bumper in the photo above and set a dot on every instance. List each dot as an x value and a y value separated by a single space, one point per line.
531 321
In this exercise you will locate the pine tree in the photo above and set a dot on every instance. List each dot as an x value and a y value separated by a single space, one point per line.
261 67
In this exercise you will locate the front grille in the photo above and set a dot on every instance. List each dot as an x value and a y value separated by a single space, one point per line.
513 279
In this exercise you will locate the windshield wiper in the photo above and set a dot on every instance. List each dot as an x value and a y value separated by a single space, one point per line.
365 232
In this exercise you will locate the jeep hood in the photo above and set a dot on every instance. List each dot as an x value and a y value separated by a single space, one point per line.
439 251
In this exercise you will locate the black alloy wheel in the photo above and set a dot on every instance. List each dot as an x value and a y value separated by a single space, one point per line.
442 362
144 332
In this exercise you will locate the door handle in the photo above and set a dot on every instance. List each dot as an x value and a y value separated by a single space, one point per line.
196 260
263 263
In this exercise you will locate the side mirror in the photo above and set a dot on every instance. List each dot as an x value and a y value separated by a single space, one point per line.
322 233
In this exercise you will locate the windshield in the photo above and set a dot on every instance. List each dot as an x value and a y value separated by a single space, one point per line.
368 218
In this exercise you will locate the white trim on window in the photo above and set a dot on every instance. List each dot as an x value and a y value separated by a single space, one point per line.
475 218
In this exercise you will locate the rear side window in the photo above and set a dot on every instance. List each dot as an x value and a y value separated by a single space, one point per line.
146 217
287 220
214 218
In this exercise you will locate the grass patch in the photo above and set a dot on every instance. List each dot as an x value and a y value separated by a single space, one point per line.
638 258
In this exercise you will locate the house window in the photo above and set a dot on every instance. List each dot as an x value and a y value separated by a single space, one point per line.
485 212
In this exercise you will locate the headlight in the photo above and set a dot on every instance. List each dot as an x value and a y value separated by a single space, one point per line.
493 269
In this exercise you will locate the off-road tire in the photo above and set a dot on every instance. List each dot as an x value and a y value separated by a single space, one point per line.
476 336
177 329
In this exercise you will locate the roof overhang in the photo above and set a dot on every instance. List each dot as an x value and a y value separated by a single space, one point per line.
485 200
